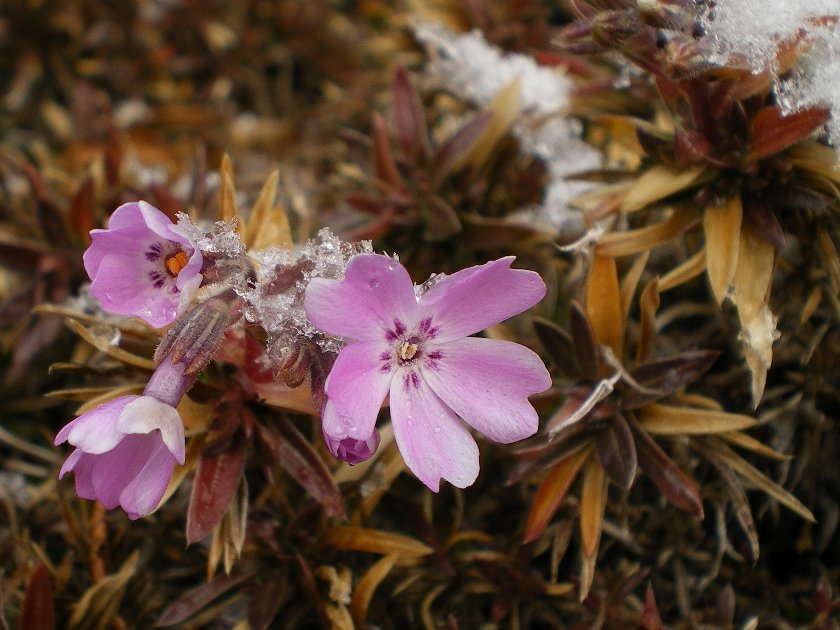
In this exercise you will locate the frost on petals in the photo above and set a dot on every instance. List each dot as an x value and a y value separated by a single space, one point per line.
418 352
142 265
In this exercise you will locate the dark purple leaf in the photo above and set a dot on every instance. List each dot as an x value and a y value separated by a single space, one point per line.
265 603
197 598
559 345
763 220
290 450
383 159
586 347
617 452
677 487
38 611
409 118
215 484
666 376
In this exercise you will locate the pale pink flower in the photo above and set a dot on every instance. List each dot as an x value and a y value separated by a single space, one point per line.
419 352
352 450
142 265
126 448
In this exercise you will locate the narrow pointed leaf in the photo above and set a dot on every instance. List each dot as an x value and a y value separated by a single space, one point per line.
297 457
38 611
658 183
586 346
197 598
593 500
383 159
213 489
366 587
559 345
667 376
677 487
667 420
684 272
759 479
617 452
452 151
740 506
722 225
550 494
643 239
374 541
773 132
648 305
409 118
630 283
603 304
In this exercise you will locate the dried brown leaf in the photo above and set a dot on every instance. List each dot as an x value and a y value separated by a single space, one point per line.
772 131
367 585
374 541
667 420
551 492
643 239
660 182
38 612
722 225
603 303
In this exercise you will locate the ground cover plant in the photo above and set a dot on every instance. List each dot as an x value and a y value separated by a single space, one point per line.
419 313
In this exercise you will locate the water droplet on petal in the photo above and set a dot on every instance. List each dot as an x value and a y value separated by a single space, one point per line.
437 429
392 265
374 283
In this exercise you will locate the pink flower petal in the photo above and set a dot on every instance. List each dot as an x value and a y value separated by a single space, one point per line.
114 471
96 431
351 450
376 291
356 387
470 300
147 414
487 382
434 443
82 466
142 494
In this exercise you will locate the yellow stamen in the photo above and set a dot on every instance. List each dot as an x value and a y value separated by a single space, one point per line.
175 263
407 351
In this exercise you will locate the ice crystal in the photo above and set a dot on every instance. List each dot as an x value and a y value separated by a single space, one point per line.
753 29
220 239
474 70
275 298
814 82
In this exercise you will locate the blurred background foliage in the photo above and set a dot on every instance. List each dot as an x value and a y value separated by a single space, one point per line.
685 474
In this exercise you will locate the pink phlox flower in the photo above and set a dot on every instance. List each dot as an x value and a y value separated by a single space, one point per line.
126 448
352 450
420 353
142 265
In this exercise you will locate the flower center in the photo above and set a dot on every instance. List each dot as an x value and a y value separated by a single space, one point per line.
175 263
407 350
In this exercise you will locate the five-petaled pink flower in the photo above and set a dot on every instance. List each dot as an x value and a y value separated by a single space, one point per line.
420 352
142 265
126 449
